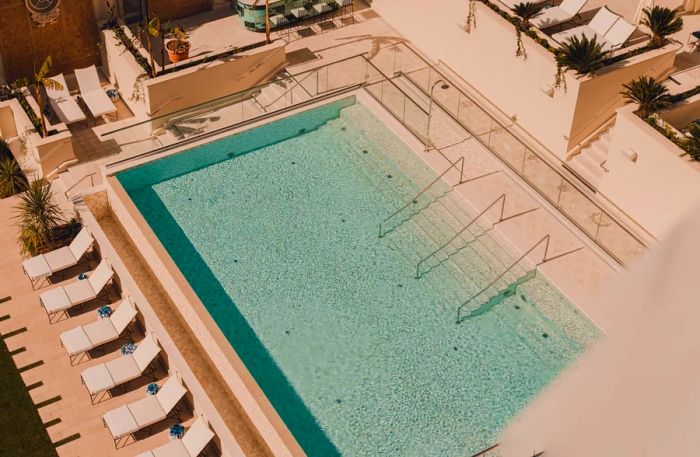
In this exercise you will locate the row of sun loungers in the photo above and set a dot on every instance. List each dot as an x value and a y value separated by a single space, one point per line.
124 421
607 27
91 91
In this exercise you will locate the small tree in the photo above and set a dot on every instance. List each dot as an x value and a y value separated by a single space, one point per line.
526 12
692 143
662 22
152 28
651 95
38 215
41 80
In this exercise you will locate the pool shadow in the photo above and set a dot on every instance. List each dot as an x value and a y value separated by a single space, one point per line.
284 398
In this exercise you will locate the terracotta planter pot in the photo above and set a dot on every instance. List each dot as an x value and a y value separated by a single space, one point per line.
176 52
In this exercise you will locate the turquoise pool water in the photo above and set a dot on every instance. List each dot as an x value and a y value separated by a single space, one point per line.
276 229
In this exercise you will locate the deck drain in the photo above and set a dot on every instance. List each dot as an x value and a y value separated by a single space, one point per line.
389 176
343 128
338 400
364 151
517 307
287 332
545 335
522 297
294 163
235 260
415 202
400 285
455 348
342 220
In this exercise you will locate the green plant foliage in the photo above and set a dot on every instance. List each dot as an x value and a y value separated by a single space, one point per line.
38 216
12 180
691 144
651 95
662 22
581 55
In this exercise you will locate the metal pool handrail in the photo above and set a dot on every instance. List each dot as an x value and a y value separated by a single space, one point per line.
564 179
424 190
502 198
546 239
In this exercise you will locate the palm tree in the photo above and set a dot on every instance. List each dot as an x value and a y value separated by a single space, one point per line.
40 80
692 143
38 216
651 95
12 180
582 55
526 12
662 22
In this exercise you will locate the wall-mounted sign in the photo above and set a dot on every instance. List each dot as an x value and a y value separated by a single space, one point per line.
44 11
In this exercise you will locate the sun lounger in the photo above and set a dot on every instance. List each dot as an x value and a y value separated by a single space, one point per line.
91 91
601 23
60 299
565 12
105 376
82 339
63 104
129 419
192 444
618 35
611 30
44 265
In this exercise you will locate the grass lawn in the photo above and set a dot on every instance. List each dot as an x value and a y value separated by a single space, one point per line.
23 433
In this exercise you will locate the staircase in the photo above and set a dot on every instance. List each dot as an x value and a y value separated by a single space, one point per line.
589 164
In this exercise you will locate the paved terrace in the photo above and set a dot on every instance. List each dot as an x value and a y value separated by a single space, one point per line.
59 385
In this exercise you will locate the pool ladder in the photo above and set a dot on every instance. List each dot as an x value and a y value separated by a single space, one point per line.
520 280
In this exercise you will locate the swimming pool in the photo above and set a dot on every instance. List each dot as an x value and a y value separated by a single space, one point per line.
275 229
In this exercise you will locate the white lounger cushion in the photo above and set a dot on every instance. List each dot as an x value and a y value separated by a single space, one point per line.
92 93
130 418
63 104
94 334
601 23
52 262
618 34
191 445
558 14
123 369
80 291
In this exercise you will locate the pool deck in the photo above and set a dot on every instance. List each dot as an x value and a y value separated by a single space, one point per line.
581 275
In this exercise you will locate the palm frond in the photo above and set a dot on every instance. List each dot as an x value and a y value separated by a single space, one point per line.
582 55
651 95
662 22
692 143
44 69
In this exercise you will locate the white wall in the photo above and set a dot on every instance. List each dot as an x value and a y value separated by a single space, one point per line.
657 190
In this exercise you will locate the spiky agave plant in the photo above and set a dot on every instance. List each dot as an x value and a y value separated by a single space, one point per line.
38 215
662 22
692 143
650 94
12 180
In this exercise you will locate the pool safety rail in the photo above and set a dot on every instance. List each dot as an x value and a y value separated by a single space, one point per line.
377 72
513 285
488 452
501 218
458 165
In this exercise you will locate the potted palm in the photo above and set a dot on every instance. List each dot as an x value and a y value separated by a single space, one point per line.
582 55
651 95
38 215
179 47
662 22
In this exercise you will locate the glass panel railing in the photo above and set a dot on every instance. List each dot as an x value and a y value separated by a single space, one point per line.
601 226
